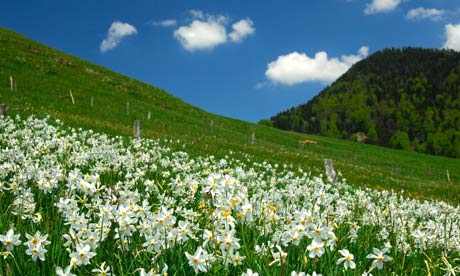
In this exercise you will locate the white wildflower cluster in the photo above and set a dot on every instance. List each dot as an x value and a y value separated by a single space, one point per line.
140 198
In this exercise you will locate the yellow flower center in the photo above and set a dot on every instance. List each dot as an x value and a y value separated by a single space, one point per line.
226 213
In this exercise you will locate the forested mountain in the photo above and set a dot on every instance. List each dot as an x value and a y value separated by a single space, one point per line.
405 98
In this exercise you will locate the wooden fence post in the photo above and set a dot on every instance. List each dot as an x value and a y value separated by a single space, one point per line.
448 176
137 128
330 172
92 102
11 83
253 138
2 110
71 96
149 115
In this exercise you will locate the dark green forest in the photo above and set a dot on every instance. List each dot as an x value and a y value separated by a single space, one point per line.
405 98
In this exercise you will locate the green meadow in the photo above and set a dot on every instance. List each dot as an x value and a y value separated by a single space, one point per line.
44 78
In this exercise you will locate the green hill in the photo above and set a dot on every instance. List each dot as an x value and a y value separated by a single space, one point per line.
401 98
44 78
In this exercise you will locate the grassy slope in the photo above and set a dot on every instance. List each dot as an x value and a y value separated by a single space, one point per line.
44 77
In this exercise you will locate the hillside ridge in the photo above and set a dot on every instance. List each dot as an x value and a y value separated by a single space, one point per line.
108 102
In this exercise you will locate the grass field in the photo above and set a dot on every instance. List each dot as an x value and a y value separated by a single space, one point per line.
84 203
44 78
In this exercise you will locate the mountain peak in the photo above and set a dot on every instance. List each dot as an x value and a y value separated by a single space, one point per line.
405 98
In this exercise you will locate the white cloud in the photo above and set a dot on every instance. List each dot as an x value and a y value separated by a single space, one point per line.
165 23
200 35
351 59
197 14
295 68
207 31
422 13
377 6
241 29
200 15
116 33
262 85
453 37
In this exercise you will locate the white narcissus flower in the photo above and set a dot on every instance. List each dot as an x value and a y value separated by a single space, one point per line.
379 257
37 239
153 243
316 249
102 270
10 240
164 271
142 272
347 259
37 251
64 272
249 272
279 257
236 259
83 254
198 260
228 241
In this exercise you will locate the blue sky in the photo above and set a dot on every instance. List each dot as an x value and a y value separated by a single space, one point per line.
242 59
